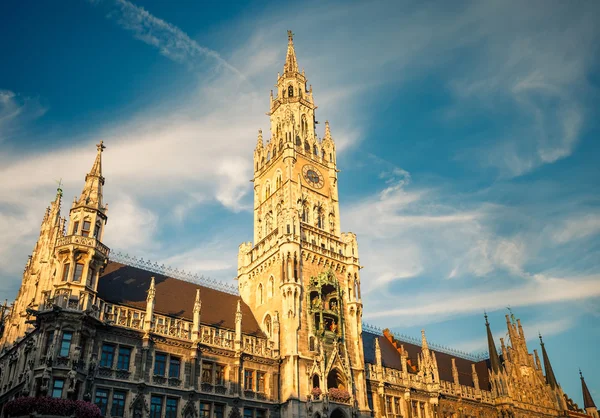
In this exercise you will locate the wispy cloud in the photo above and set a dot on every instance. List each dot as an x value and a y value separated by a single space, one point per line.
576 228
16 111
170 40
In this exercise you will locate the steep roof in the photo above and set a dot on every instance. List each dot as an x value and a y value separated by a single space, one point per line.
588 402
390 357
126 285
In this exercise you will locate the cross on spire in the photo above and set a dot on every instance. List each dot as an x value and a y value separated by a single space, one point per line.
101 147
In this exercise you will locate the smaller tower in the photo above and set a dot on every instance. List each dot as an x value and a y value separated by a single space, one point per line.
80 255
588 402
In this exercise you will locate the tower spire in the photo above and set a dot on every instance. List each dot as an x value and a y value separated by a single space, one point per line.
588 402
550 378
494 359
91 195
291 65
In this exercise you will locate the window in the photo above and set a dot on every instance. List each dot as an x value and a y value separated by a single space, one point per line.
204 410
101 400
75 227
65 345
174 366
171 409
397 406
118 403
107 355
270 287
220 375
160 364
219 411
85 231
123 359
207 373
49 341
290 91
65 276
78 272
259 295
249 379
156 407
260 382
57 388
260 413
389 404
90 277
97 230
267 323
248 413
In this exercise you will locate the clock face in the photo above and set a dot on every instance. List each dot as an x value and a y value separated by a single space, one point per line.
312 176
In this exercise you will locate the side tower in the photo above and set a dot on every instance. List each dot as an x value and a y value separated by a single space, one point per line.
80 254
301 272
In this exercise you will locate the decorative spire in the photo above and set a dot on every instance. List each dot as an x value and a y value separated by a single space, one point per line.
291 65
259 141
327 131
588 402
550 378
196 319
494 359
149 308
151 291
377 352
198 302
91 194
424 345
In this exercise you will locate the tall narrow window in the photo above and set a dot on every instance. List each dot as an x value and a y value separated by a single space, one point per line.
65 275
290 91
101 400
270 287
78 272
249 379
260 382
160 364
118 403
204 410
123 359
97 230
85 231
91 276
207 373
107 355
49 341
259 295
75 228
219 411
156 406
174 366
65 345
57 388
220 375
171 409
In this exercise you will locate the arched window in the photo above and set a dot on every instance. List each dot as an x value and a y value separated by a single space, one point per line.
331 222
269 156
306 146
280 145
268 325
267 191
268 223
274 152
259 294
290 91
270 287
315 380
298 142
278 181
305 213
304 126
323 154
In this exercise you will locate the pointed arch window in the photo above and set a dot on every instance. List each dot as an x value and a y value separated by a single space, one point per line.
298 141
259 294
315 150
267 191
274 152
290 91
268 156
268 325
278 181
306 146
270 287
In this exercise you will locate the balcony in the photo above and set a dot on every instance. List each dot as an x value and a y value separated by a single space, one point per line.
90 242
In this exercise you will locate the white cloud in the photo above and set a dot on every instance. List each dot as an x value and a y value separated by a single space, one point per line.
576 228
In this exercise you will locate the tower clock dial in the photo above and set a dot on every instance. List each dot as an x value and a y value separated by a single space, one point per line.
313 176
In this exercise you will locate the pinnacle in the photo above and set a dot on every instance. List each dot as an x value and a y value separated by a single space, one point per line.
291 65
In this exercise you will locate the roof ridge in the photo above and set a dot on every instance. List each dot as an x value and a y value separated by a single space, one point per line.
174 273
436 347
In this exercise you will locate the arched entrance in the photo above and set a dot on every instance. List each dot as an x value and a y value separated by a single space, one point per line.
337 413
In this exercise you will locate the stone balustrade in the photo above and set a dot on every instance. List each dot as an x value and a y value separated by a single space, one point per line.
85 241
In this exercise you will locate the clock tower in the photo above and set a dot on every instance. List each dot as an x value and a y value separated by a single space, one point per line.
301 275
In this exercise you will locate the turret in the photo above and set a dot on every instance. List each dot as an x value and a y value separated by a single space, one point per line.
588 402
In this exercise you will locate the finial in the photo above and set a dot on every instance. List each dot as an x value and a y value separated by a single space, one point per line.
290 36
100 146
580 374
540 335
486 317
59 191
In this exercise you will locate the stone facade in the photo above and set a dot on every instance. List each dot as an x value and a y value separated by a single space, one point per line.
141 340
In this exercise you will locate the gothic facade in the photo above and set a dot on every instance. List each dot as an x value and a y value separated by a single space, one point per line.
141 340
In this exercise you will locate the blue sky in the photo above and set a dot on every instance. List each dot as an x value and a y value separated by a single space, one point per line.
467 137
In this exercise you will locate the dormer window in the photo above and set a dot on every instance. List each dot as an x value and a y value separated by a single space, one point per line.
85 231
290 91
